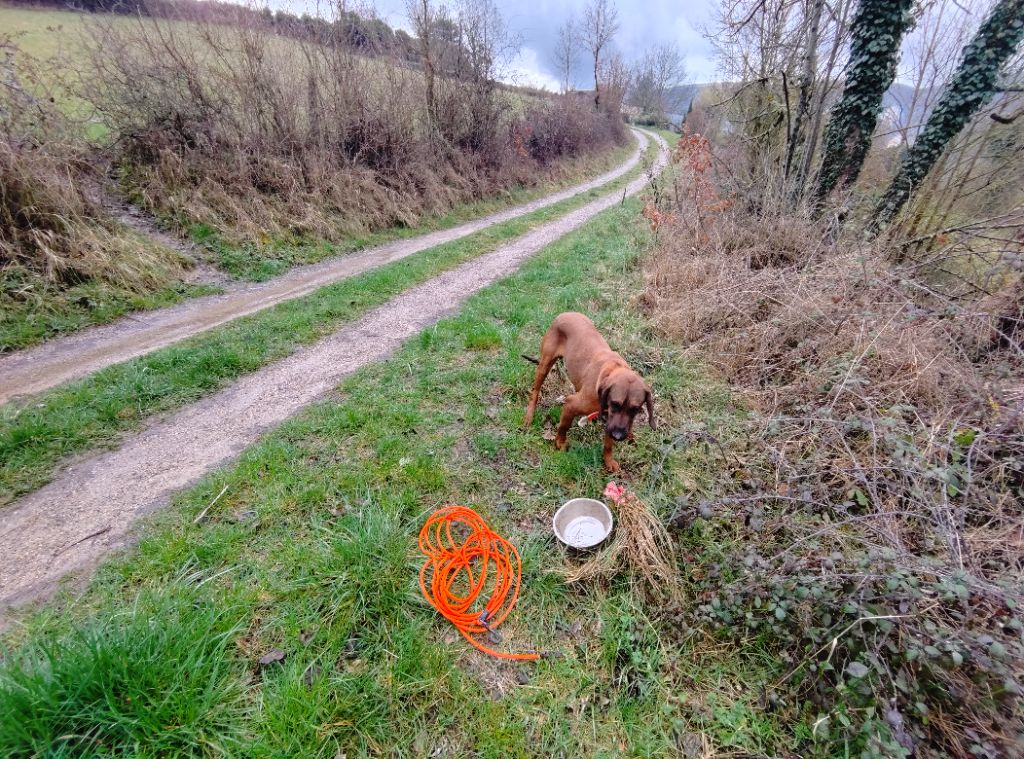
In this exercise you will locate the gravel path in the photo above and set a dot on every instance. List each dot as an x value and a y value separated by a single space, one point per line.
69 525
36 369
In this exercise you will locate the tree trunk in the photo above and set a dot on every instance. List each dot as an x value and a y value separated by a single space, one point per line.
877 31
973 84
822 91
807 76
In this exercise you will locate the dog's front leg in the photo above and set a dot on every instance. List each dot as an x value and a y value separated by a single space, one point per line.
609 463
570 411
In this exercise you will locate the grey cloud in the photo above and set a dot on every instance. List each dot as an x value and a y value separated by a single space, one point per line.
642 24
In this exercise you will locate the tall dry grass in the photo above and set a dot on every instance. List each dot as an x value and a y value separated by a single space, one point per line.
54 232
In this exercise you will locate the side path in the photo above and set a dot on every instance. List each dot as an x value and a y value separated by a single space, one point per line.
69 525
36 369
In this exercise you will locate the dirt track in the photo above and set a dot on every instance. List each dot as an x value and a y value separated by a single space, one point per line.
36 369
87 512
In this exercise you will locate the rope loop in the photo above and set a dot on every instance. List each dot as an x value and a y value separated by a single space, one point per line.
477 561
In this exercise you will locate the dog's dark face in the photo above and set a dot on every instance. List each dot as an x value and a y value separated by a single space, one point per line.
622 394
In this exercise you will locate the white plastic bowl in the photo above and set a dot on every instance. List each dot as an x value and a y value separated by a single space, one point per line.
582 523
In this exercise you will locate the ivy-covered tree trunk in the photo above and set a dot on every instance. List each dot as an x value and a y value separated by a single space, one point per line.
973 84
877 31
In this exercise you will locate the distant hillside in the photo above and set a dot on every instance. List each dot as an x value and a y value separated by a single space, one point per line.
904 112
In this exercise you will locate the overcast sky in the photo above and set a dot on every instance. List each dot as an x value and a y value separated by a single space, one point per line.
537 21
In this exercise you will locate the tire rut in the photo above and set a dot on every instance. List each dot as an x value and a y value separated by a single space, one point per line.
69 525
36 369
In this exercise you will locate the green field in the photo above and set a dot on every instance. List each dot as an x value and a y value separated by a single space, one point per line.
62 35
42 33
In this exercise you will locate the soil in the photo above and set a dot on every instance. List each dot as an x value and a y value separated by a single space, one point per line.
143 224
68 526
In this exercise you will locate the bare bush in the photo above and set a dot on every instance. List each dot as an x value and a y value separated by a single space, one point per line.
568 126
885 472
261 136
54 233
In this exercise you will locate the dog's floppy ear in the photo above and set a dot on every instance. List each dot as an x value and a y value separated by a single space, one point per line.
649 402
604 388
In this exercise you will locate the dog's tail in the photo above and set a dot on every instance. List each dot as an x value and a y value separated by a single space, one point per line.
531 359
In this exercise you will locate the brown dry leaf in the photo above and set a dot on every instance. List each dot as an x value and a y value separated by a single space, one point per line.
549 432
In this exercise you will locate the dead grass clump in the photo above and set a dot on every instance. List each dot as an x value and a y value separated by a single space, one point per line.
642 547
880 504
55 235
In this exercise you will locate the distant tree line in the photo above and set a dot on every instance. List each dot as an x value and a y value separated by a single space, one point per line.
650 86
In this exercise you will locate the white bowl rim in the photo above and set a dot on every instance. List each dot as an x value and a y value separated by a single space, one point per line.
602 504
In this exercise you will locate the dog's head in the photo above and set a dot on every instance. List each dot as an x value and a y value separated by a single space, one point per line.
623 393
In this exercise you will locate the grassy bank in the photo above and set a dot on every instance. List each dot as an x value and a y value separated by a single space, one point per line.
55 311
311 552
261 262
47 33
35 437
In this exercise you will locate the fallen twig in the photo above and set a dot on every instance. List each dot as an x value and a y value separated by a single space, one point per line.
202 513
97 533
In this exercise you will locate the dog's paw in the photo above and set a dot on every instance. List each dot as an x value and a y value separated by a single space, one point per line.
562 444
612 465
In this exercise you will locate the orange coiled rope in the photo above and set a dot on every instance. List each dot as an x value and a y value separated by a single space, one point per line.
449 557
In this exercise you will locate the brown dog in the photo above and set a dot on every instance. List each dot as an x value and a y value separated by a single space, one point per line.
604 382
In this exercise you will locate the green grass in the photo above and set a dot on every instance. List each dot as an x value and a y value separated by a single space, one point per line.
36 436
23 324
56 693
666 134
45 33
313 547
